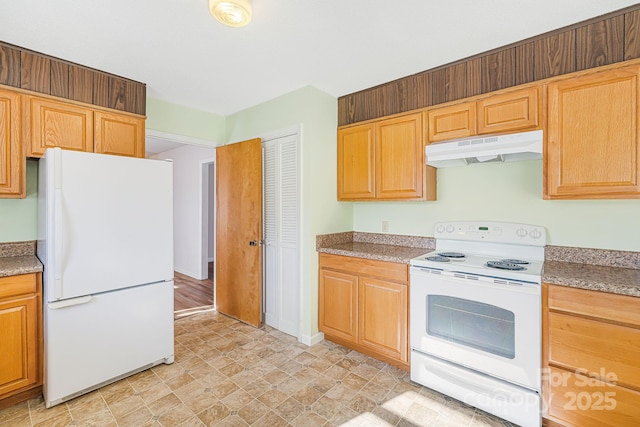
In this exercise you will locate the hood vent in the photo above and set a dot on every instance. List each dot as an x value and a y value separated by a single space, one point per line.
487 149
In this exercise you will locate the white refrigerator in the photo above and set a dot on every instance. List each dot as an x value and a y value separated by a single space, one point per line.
105 238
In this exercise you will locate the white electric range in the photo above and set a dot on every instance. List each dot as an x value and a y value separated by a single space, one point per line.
476 316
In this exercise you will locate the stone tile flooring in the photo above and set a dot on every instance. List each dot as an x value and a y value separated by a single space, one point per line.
230 374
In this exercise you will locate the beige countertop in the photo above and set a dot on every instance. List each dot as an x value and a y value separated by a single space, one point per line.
611 278
22 264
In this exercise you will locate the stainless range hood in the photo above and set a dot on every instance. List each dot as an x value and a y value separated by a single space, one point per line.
485 149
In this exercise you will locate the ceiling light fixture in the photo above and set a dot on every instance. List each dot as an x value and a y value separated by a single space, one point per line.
234 13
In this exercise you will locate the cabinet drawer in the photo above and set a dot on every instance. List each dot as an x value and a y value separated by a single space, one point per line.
585 402
617 308
17 285
366 267
593 346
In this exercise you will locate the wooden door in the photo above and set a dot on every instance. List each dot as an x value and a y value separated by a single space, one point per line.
118 134
400 164
338 305
512 111
356 172
19 349
239 230
593 139
456 121
12 162
49 124
383 317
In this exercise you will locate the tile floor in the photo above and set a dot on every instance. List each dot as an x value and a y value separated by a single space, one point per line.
230 374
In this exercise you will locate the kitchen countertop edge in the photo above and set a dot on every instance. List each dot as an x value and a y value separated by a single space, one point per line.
17 265
609 279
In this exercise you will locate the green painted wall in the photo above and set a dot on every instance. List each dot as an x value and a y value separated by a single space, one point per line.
509 192
167 117
321 213
19 217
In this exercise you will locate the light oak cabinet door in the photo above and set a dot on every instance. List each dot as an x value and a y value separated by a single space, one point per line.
456 121
19 334
384 160
512 111
383 317
48 124
12 162
593 136
356 163
399 155
363 305
338 304
118 134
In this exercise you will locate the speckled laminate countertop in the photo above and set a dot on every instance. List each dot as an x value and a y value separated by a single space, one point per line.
616 272
15 265
375 251
18 258
615 280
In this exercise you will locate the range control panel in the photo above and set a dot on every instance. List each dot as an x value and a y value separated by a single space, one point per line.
492 231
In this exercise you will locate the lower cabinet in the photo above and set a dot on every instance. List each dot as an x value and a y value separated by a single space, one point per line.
363 305
591 349
20 338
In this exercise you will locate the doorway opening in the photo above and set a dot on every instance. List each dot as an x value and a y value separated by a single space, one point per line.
194 210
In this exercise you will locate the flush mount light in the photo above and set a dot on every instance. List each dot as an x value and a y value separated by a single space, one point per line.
234 13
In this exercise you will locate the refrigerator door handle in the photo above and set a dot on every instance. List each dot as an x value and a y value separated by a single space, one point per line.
58 222
58 249
69 302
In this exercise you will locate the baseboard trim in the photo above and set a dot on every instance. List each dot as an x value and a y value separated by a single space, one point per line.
311 339
189 273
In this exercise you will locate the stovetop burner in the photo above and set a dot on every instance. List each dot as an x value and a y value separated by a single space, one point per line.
505 265
515 261
455 255
438 258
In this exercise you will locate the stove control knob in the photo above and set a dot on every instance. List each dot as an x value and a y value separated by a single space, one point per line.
440 228
450 228
535 233
522 232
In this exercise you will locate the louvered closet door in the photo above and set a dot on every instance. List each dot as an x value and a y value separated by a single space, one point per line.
281 228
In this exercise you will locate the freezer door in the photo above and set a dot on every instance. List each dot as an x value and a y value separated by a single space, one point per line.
93 340
108 222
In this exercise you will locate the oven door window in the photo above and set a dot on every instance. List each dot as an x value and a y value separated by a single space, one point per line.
473 324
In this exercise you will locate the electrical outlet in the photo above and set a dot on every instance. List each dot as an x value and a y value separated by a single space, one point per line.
385 226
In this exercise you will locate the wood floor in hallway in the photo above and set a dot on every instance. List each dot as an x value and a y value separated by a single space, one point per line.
192 295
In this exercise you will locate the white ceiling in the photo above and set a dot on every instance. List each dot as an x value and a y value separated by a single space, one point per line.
339 46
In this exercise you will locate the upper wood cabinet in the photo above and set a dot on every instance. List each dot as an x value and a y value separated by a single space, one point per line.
384 160
49 123
356 162
593 136
512 111
453 122
12 161
118 134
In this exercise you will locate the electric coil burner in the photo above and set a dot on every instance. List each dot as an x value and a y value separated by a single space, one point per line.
475 317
